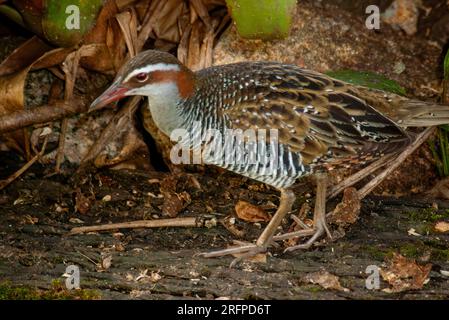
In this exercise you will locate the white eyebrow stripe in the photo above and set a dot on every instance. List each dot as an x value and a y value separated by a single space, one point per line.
153 67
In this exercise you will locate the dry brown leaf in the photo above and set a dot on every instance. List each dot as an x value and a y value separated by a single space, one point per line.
348 210
51 58
82 203
12 95
23 56
404 274
11 100
131 151
101 59
105 262
325 280
166 27
199 8
194 48
99 32
183 47
173 202
115 42
128 24
251 213
442 226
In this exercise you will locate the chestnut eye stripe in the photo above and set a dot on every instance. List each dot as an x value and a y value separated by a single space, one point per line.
151 68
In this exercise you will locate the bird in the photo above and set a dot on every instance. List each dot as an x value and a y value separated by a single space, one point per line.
321 123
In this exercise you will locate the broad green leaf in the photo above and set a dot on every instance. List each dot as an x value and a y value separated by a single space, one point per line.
262 19
66 21
368 79
61 22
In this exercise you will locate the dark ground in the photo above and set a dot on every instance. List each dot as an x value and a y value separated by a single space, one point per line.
35 249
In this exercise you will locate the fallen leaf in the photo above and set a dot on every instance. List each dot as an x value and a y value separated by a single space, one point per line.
404 274
119 247
325 280
106 262
348 210
82 203
24 55
173 202
442 226
251 213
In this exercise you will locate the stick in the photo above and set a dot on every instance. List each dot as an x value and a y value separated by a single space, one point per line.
356 177
43 114
422 137
18 173
160 223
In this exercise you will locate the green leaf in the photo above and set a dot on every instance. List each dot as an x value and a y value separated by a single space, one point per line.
61 22
368 79
446 66
262 19
66 21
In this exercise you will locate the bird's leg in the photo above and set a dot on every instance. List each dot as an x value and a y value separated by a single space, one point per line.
264 240
391 161
319 216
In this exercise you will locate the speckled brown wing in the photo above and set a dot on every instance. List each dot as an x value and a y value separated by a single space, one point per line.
317 116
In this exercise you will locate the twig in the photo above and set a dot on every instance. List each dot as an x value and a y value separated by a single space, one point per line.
160 223
18 173
356 177
70 68
420 139
61 145
45 113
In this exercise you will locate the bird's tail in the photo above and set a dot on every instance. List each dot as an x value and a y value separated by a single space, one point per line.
414 113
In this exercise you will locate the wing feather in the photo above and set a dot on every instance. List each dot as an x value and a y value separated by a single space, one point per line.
321 118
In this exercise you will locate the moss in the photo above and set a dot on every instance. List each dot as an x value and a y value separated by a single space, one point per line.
440 254
411 250
56 292
374 252
314 288
428 214
439 250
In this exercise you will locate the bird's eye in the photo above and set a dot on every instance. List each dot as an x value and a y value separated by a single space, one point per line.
141 77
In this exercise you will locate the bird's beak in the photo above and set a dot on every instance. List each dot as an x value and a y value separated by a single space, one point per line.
113 93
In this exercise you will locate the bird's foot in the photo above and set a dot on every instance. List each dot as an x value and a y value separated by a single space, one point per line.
242 252
319 229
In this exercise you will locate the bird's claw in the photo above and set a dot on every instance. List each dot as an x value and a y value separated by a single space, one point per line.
244 252
319 230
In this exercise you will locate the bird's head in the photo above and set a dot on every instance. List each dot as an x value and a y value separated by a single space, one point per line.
155 74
